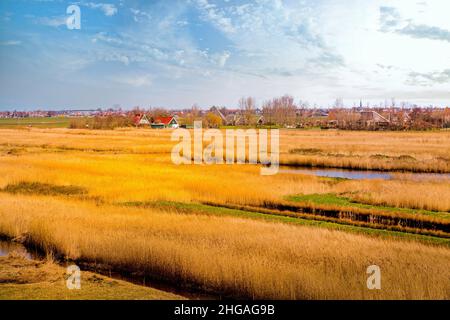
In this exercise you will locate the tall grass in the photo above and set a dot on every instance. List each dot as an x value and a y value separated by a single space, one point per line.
233 256
416 194
236 257
409 151
127 165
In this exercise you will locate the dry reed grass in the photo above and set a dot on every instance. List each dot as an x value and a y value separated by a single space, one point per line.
238 257
224 254
410 151
124 165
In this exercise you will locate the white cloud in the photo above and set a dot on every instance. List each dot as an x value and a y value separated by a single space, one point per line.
430 78
211 13
134 81
139 15
10 43
222 58
121 58
272 35
314 50
182 23
112 56
52 21
107 8
103 36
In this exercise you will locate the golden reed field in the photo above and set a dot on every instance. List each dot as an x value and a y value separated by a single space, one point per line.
114 198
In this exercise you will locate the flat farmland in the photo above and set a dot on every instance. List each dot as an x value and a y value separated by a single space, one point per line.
35 122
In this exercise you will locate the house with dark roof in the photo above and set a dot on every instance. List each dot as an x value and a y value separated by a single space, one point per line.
373 119
141 120
217 112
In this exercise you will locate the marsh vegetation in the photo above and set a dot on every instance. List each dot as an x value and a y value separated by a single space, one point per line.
114 197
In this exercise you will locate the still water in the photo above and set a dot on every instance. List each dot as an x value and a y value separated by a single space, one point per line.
361 174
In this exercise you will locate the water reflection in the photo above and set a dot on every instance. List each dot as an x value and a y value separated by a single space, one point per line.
362 174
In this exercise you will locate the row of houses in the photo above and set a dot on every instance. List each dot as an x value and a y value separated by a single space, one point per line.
232 118
333 118
238 117
365 118
394 118
289 117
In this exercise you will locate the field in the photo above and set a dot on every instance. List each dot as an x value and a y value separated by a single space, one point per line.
49 122
114 198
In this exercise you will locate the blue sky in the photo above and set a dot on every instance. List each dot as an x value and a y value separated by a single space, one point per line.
176 53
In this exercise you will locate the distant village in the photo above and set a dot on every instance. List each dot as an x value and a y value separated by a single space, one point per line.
280 112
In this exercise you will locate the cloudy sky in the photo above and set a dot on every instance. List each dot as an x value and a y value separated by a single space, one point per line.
176 53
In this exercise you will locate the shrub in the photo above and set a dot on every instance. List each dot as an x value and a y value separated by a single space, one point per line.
101 122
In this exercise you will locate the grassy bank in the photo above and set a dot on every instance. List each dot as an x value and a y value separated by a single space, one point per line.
335 200
23 279
204 209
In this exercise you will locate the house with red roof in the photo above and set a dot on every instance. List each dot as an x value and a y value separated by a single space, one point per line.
165 122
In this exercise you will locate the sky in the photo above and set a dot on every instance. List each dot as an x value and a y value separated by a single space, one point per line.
174 54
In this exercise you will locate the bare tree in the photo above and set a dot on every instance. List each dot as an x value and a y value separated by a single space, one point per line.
158 112
192 115
247 107
284 110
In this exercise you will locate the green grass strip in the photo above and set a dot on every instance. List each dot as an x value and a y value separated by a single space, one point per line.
199 208
332 199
